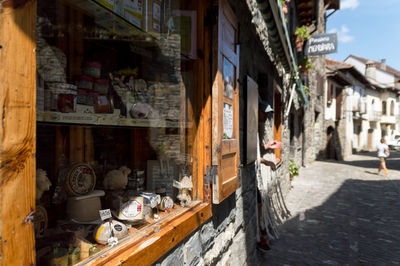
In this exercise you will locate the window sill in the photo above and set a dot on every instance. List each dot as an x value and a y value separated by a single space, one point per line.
149 244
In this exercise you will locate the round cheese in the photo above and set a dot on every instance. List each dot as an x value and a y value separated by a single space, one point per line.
80 180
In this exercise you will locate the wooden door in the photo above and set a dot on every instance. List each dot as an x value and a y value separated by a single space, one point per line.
225 108
278 122
18 131
370 132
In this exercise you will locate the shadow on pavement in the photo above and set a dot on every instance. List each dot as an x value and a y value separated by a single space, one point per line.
392 163
358 224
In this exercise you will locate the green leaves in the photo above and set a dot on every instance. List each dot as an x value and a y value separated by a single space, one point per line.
293 169
302 33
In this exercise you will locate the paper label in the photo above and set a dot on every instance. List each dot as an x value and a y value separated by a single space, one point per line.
105 214
131 208
228 121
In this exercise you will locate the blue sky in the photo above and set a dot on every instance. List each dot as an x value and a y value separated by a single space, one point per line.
369 29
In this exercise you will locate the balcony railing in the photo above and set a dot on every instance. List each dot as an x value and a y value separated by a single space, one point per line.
375 116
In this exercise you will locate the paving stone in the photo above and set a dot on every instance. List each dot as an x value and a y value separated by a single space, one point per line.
342 214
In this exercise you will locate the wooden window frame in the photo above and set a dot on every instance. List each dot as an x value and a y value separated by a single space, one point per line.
225 152
18 163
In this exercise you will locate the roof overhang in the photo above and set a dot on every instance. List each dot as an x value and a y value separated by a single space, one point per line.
306 11
332 4
272 14
339 78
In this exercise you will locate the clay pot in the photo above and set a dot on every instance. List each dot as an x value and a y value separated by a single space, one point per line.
299 44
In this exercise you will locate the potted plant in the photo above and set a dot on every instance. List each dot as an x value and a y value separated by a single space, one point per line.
304 64
293 169
301 35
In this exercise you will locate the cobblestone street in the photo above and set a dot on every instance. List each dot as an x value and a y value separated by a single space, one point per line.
342 213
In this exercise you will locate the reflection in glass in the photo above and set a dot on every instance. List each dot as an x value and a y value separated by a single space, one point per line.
228 75
118 100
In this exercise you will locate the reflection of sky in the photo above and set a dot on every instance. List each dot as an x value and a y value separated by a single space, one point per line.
228 71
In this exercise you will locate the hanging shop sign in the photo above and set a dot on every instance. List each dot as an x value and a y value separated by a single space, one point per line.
321 44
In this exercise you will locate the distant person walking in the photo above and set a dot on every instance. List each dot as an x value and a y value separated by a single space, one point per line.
383 153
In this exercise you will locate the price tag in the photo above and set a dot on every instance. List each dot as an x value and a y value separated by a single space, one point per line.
105 214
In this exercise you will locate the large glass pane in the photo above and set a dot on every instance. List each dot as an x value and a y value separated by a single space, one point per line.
115 105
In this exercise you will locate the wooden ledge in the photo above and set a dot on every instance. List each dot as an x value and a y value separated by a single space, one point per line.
154 241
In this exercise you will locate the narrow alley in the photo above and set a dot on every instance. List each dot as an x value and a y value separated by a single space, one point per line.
342 213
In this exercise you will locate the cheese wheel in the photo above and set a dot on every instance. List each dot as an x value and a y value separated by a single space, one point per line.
80 179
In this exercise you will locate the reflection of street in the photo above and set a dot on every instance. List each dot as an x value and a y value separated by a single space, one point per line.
343 213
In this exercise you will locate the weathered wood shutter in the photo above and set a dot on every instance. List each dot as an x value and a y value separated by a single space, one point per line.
18 131
225 105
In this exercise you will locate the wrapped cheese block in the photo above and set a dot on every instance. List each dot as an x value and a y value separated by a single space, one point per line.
103 231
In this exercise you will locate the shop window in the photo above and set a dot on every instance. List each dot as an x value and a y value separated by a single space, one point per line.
384 108
116 148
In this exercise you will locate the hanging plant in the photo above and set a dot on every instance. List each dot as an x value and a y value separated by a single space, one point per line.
301 34
306 90
305 64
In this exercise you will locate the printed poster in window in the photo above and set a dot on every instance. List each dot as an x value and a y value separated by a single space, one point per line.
229 74
228 121
185 23
133 11
156 16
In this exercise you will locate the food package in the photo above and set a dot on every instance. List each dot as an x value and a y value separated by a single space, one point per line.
151 199
110 229
102 104
92 69
101 86
85 82
166 203
129 208
66 103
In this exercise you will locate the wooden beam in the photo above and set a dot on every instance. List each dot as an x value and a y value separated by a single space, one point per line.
153 242
17 131
148 251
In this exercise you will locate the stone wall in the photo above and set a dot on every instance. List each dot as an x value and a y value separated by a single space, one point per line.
315 130
229 237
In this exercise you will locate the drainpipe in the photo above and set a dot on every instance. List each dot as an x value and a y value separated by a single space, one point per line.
289 46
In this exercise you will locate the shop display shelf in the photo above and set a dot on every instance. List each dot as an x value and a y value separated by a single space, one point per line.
103 120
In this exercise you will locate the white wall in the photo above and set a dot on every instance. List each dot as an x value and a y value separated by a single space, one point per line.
357 64
330 109
382 78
